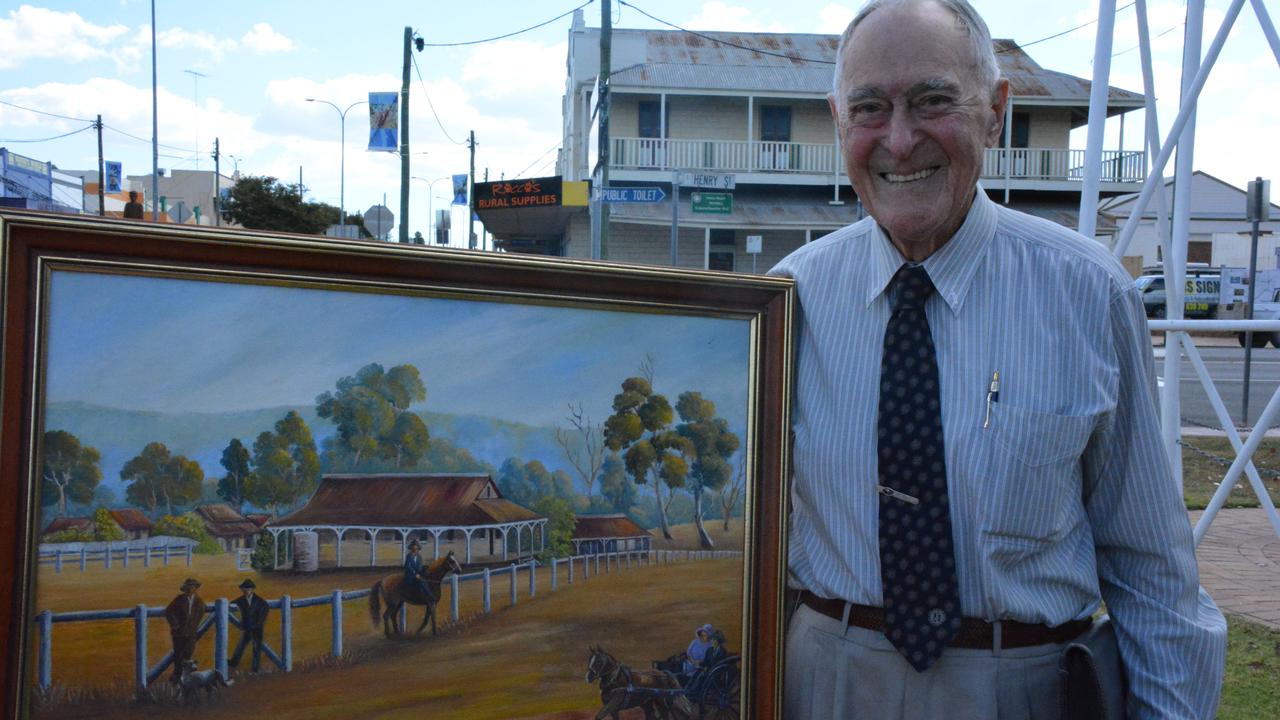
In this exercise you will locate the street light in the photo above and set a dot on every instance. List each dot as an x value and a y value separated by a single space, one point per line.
431 186
342 177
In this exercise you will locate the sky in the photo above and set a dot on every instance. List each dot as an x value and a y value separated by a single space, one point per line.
258 62
173 345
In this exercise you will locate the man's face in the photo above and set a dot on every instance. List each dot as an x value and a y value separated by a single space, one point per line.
914 120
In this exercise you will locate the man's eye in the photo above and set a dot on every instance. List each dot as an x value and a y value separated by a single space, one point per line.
934 102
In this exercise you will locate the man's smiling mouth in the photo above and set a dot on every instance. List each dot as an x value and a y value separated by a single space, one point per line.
921 175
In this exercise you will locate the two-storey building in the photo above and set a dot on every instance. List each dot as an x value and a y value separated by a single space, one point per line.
754 106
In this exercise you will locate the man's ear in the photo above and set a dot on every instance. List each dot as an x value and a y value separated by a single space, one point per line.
999 101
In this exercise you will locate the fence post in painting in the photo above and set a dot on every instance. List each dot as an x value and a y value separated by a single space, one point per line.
286 632
140 646
46 650
453 598
165 555
336 599
606 566
189 549
220 607
555 579
486 591
404 616
57 561
83 558
514 577
106 556
570 560
533 578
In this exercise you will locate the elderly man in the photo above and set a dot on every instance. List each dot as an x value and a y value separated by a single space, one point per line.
977 463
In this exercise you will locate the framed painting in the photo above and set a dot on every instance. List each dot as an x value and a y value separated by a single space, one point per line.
286 476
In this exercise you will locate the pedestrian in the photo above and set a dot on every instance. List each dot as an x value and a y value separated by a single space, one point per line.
977 456
133 209
184 614
253 610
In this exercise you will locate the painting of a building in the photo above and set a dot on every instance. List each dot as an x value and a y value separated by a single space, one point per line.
608 534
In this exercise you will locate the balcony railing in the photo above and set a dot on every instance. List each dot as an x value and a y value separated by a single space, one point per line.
754 156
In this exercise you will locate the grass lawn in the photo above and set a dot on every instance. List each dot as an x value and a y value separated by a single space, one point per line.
1201 475
1252 687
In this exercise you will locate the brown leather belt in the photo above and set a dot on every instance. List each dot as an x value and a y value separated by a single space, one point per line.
974 633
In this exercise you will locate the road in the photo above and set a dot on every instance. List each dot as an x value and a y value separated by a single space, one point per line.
1226 367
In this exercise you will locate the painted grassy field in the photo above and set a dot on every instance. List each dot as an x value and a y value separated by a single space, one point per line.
522 661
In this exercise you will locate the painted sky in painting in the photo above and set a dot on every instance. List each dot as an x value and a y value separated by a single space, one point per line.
168 345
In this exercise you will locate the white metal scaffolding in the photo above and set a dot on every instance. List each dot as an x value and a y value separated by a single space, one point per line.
1173 228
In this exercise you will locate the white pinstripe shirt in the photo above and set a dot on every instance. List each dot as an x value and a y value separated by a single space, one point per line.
1065 498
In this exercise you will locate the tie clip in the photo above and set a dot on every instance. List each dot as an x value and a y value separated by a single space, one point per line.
890 492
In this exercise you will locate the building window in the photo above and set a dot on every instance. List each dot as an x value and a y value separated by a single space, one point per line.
1200 251
650 112
1020 133
775 123
723 236
717 260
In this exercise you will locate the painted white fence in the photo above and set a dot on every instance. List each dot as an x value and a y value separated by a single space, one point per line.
116 553
220 619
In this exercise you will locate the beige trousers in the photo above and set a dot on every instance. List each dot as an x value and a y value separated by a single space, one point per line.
849 673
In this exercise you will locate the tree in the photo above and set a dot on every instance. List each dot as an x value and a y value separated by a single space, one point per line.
640 428
264 203
730 492
371 412
69 470
560 525
586 456
105 527
158 478
712 445
528 483
235 460
188 525
617 489
285 465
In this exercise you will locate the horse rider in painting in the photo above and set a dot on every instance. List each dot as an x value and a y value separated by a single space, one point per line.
413 569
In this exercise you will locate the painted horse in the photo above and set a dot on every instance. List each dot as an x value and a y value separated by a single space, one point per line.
657 692
395 592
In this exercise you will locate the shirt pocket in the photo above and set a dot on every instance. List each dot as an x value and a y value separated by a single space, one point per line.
1032 471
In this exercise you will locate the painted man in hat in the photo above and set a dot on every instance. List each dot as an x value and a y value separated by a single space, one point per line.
413 569
184 614
253 618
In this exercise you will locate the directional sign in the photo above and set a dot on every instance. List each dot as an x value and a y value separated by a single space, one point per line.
712 203
708 181
632 195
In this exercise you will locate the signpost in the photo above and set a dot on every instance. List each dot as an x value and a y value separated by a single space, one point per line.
712 203
754 245
1257 209
708 182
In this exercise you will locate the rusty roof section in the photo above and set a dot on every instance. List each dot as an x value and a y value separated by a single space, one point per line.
407 500
591 527
131 519
72 523
222 520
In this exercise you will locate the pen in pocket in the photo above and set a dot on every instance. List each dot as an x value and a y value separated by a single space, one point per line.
993 395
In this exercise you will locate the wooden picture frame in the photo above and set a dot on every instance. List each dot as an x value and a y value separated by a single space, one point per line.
101 314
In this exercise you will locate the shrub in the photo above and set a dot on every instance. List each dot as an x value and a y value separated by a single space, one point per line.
189 526
105 527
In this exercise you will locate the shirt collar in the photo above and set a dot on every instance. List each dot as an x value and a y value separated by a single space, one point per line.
951 268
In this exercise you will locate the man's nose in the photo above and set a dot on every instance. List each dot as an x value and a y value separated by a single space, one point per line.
901 132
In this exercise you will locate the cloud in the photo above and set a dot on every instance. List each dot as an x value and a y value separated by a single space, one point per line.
263 39
833 19
31 33
178 38
721 16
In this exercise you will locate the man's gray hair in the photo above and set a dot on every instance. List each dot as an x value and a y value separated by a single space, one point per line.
984 57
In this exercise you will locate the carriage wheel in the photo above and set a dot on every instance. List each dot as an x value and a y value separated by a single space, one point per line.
722 697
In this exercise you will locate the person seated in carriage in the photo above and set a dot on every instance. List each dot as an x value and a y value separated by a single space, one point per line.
716 652
696 655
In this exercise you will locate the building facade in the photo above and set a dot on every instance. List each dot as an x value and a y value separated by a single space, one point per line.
753 107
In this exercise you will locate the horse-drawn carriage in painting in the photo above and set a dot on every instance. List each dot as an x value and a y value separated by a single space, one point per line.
713 688
713 691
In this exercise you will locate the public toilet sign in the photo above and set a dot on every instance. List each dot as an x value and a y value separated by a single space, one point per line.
631 194
708 181
712 203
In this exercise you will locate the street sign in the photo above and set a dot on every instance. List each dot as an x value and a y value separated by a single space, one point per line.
712 203
632 195
708 181
378 220
754 243
1258 201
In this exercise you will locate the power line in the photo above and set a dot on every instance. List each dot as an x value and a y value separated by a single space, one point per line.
1135 47
429 103
55 137
539 158
725 42
510 34
1064 32
148 141
42 112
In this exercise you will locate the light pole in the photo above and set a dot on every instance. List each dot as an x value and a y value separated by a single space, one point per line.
342 176
431 186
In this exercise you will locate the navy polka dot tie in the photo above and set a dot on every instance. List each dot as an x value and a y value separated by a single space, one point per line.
917 557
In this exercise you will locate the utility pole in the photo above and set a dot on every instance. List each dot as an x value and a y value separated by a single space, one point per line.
1257 210
606 66
404 137
155 125
217 185
102 181
471 199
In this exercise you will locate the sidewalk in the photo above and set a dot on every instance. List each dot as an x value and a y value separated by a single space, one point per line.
1240 565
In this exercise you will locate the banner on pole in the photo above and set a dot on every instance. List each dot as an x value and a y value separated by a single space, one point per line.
460 189
112 171
384 121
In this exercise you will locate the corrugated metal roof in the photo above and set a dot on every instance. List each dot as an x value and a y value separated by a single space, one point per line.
131 519
76 523
683 61
406 501
591 527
